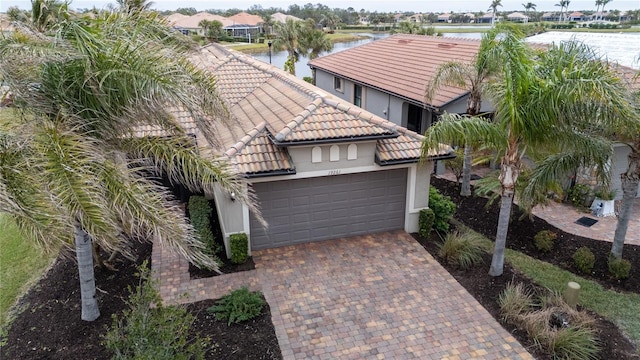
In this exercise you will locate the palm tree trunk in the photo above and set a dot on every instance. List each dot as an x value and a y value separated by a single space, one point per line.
497 262
630 181
466 172
84 254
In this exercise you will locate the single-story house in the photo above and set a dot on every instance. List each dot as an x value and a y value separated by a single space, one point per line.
282 18
320 167
488 18
577 16
518 17
191 24
550 16
444 18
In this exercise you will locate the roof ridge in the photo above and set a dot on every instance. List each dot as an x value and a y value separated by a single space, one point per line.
250 135
362 114
288 129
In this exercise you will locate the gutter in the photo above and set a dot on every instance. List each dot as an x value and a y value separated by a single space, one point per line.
413 160
336 140
271 173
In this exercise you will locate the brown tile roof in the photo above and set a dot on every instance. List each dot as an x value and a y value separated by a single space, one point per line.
401 64
272 110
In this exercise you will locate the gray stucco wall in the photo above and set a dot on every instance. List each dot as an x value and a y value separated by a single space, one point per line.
620 163
419 197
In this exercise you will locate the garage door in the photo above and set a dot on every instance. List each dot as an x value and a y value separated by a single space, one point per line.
305 210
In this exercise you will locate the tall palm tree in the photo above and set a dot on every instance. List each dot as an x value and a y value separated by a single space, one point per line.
70 165
552 102
314 41
472 76
598 4
604 3
528 7
564 6
288 37
494 9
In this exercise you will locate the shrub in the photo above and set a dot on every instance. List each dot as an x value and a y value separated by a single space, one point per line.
584 259
148 330
514 300
544 240
456 164
239 244
578 194
199 213
425 222
240 305
464 250
619 268
442 207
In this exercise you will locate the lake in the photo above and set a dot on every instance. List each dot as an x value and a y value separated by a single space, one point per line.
278 58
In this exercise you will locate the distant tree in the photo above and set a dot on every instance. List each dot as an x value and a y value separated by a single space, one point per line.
314 41
598 4
528 7
288 38
134 6
15 14
187 11
494 9
213 29
564 7
604 3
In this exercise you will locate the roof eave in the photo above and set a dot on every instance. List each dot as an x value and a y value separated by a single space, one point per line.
270 173
336 140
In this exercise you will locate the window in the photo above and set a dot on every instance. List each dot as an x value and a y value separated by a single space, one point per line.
338 84
334 153
352 152
357 95
316 154
414 118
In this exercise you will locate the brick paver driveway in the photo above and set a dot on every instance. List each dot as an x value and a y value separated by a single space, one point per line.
379 296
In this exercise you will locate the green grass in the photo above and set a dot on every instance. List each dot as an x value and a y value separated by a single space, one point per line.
21 265
620 308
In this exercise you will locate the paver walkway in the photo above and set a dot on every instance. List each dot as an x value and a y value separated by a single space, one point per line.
378 296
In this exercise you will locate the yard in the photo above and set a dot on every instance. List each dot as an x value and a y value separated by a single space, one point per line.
50 325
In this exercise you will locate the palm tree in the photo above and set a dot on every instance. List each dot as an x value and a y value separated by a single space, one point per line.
473 76
630 181
552 103
528 6
598 4
314 41
604 3
288 37
494 9
70 163
564 6
132 6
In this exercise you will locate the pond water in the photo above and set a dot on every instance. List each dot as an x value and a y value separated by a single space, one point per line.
278 58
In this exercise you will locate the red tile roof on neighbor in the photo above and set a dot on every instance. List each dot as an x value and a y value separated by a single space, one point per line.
401 64
272 110
243 18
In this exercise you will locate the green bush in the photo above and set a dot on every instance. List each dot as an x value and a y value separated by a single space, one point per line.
425 222
584 259
464 250
578 194
240 305
148 330
239 244
199 213
619 268
442 207
544 240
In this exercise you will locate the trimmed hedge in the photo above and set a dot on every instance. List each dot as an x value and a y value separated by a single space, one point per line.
425 222
239 244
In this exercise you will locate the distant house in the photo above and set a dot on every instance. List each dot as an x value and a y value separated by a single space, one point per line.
487 18
320 167
388 77
550 16
577 16
470 16
416 18
282 18
244 25
444 18
191 24
518 17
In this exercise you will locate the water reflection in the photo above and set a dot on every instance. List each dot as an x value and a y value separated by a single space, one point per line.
278 58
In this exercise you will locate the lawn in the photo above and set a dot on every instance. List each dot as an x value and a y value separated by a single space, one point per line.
21 265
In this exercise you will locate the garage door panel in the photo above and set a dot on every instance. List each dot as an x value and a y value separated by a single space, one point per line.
323 208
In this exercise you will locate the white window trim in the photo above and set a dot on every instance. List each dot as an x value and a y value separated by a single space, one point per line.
334 153
352 152
316 154
341 87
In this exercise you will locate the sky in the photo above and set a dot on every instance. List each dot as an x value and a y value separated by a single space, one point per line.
371 5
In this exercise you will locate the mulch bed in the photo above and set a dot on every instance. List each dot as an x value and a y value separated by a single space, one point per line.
227 268
486 289
49 327
473 212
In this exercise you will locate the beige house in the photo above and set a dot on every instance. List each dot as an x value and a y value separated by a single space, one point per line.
321 167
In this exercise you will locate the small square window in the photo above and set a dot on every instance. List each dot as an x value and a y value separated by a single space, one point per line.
338 84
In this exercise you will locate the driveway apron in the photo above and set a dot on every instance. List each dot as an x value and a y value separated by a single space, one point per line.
378 296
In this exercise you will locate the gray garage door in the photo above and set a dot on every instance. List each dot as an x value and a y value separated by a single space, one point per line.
305 210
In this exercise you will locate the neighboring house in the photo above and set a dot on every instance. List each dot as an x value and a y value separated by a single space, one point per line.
550 16
388 77
518 17
416 18
444 18
488 18
577 16
470 16
320 167
282 18
191 24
